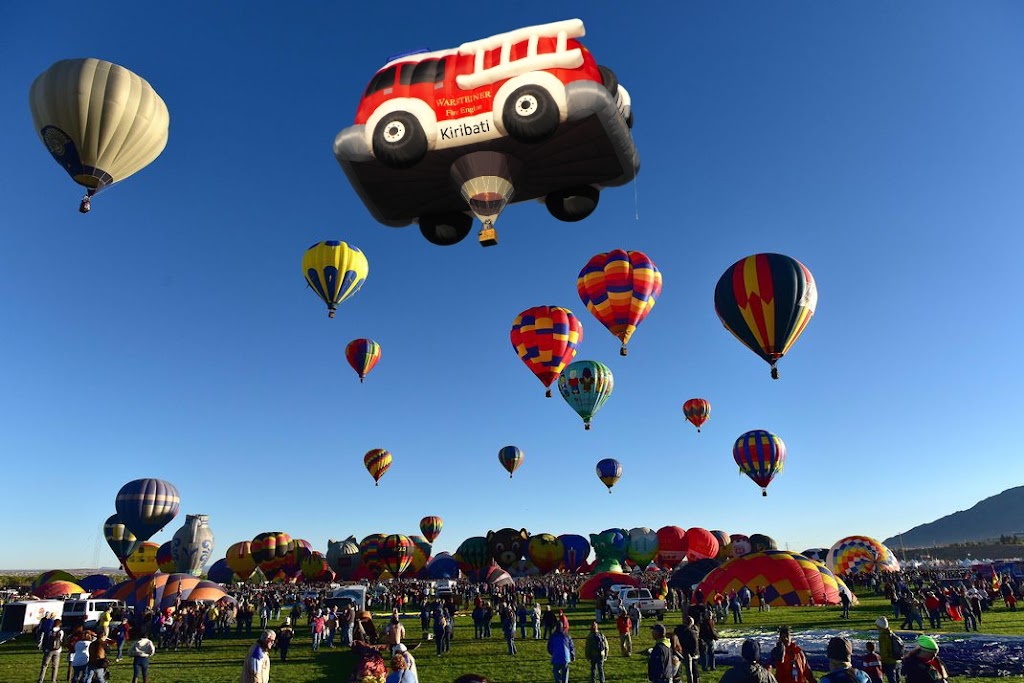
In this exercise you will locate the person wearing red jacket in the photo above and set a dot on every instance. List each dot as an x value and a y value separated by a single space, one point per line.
625 626
788 660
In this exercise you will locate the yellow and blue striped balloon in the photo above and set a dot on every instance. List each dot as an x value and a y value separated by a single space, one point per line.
609 471
146 506
335 271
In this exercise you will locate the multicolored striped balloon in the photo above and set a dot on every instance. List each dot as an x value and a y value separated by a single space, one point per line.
766 301
861 555
697 411
761 455
335 271
510 458
430 527
377 462
396 554
546 338
362 355
369 551
269 550
146 506
789 579
609 471
619 288
586 385
165 558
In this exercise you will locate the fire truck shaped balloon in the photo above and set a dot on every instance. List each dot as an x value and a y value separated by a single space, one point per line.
440 137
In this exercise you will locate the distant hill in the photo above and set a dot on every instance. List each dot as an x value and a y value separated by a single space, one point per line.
1000 515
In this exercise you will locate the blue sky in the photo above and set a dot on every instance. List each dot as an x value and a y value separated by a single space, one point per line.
169 334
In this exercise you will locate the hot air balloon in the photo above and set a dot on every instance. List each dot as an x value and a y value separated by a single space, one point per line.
314 566
165 558
766 301
701 544
437 133
789 579
545 552
300 551
269 549
510 458
608 471
239 558
362 355
430 527
442 566
143 560
577 550
546 338
421 550
343 557
119 538
396 554
619 288
53 590
643 545
761 455
335 271
146 506
98 120
377 462
220 572
861 555
369 552
697 411
473 554
761 542
192 545
51 576
586 385
671 546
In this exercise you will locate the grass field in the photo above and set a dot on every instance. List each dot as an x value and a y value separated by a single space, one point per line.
221 658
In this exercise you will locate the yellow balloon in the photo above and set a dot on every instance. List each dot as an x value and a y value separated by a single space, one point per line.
143 560
335 271
100 121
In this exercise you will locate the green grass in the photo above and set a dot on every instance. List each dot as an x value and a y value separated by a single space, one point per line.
221 658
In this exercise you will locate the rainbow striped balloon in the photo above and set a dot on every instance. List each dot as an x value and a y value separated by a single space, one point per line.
362 355
619 288
377 462
761 455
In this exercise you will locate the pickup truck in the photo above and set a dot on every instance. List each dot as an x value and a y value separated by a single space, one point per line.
641 597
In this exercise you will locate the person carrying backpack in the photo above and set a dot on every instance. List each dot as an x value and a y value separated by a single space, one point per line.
50 643
840 670
890 650
788 660
660 665
596 651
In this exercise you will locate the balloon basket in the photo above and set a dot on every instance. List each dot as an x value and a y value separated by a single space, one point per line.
586 426
488 237
547 393
623 351
775 372
361 379
85 206
330 314
764 493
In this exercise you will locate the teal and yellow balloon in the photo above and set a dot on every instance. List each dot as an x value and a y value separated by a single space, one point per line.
586 385
120 539
609 471
335 271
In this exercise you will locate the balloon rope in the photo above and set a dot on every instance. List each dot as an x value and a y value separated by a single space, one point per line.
636 198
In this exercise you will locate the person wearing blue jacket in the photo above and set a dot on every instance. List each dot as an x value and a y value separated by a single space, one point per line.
562 652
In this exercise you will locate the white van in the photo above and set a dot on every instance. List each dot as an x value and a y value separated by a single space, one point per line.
86 611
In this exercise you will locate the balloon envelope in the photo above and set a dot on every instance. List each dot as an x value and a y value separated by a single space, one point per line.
122 541
510 458
586 385
766 301
143 560
430 527
146 506
861 555
760 455
697 411
609 470
377 462
671 546
165 558
545 551
619 288
362 355
790 579
396 553
545 338
99 121
577 550
701 544
240 560
334 270
55 589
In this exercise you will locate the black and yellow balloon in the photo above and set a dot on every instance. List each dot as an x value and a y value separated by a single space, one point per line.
99 121
335 271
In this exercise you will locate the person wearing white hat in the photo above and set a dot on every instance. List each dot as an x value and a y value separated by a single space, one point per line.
410 661
888 643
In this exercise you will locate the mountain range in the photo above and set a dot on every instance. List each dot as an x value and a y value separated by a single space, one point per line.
989 519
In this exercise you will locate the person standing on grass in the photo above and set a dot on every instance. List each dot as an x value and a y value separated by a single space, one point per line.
535 619
636 617
689 645
256 668
141 652
845 600
508 626
284 638
121 633
317 627
596 651
891 660
50 642
562 652
625 627
871 663
708 638
660 664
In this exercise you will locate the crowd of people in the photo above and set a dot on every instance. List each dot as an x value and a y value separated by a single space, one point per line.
533 608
